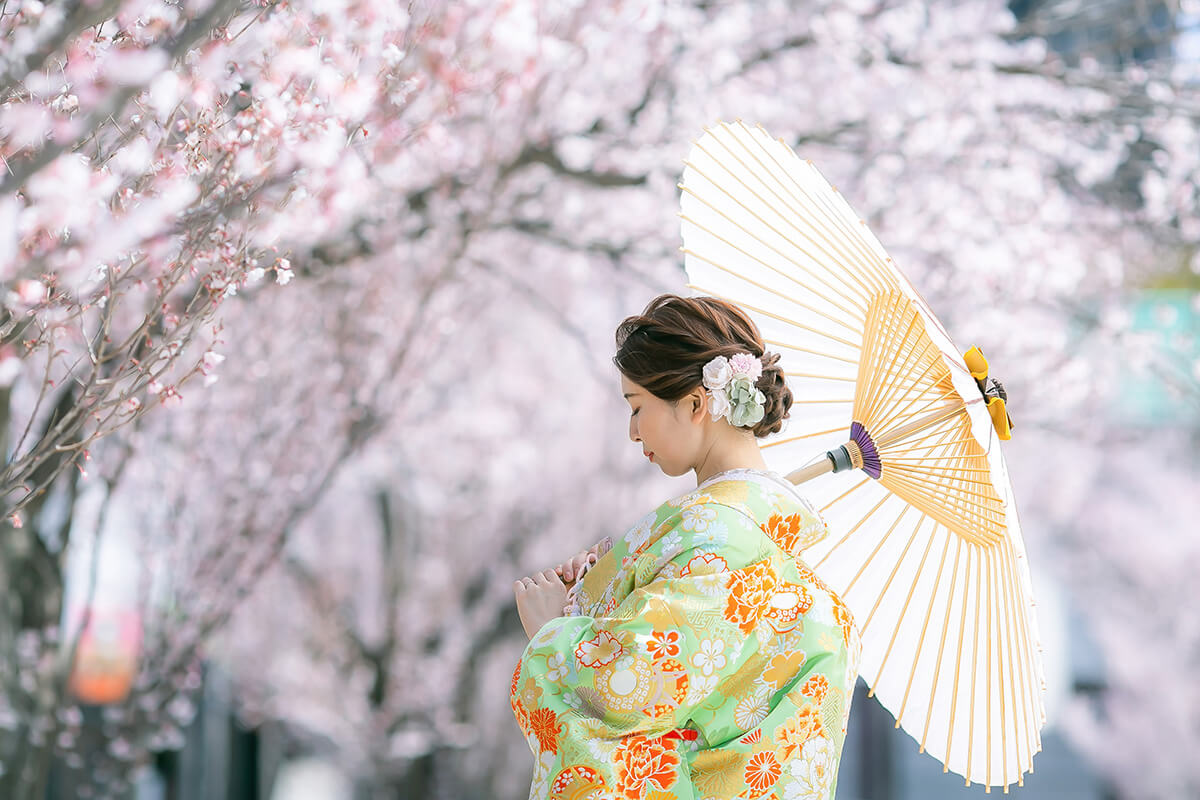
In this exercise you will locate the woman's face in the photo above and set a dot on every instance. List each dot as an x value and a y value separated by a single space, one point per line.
669 432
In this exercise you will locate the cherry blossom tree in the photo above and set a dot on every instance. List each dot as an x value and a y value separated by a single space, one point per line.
468 196
157 156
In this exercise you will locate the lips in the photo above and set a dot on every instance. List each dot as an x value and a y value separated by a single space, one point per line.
650 455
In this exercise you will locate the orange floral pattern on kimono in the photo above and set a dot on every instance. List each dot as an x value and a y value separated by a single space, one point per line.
703 659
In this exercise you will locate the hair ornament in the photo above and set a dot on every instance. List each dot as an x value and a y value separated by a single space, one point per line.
732 393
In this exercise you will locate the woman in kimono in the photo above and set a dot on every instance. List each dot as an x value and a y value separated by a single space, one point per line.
697 656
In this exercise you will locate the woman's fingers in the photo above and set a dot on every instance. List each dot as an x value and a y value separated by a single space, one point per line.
564 569
579 561
522 585
569 570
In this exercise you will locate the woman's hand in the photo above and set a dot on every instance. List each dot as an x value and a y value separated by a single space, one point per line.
539 599
569 569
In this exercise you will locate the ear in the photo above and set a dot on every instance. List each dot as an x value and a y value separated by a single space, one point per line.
697 404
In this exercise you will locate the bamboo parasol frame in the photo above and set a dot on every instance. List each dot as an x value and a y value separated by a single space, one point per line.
927 549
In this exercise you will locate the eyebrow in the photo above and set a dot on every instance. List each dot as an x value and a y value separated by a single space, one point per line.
628 395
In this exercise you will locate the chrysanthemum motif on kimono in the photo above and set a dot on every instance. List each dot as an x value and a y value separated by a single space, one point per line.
752 709
545 726
701 625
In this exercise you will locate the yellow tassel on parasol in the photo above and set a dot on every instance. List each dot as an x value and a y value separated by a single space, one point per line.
926 547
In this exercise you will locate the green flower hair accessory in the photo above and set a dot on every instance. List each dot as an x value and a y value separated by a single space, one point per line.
731 390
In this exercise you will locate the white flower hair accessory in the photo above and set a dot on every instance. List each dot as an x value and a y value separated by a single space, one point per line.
731 390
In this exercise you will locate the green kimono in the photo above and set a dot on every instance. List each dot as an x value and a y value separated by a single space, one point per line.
701 658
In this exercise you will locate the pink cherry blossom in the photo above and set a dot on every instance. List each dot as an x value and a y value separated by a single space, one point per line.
746 365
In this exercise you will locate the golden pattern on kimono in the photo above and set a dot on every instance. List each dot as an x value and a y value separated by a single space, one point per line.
625 684
719 773
654 794
595 713
530 694
747 679
784 667
646 567
834 711
578 782
657 612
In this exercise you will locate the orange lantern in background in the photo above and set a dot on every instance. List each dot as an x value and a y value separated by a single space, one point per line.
106 655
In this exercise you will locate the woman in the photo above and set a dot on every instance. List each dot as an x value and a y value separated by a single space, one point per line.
697 656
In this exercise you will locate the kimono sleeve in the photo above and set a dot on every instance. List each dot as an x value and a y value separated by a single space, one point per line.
644 668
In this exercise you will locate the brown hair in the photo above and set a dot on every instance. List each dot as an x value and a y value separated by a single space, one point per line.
665 348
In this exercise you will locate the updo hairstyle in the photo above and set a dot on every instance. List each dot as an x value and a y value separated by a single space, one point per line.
665 348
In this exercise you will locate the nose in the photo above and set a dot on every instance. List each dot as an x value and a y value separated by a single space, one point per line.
633 431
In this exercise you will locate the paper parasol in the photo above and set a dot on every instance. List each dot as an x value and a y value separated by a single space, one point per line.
925 546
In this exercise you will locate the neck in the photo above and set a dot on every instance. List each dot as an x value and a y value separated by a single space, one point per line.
739 452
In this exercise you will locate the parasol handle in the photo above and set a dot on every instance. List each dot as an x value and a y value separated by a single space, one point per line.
817 468
850 455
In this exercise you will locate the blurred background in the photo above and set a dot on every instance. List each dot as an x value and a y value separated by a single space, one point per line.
308 311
